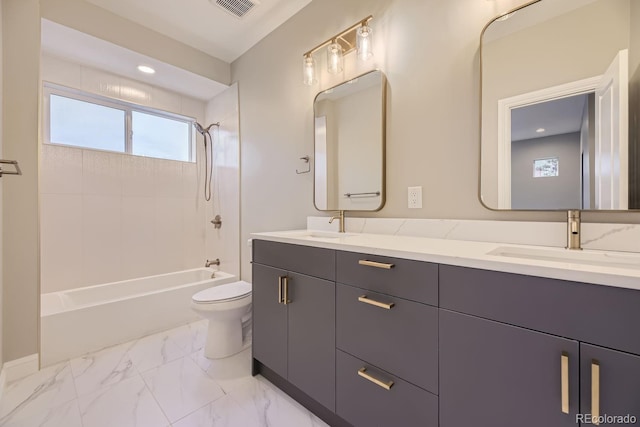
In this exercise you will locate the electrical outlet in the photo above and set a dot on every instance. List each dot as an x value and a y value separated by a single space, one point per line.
415 197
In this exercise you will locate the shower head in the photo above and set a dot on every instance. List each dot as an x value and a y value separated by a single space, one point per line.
202 130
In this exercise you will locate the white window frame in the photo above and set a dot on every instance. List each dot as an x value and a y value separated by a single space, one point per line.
128 108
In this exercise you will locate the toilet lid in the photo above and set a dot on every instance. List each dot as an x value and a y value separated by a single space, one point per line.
226 292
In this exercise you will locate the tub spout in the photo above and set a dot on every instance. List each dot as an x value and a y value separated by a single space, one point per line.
210 263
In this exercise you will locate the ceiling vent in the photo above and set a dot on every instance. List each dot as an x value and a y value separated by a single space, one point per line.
237 8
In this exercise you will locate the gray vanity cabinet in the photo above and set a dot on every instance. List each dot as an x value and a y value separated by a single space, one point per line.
612 378
269 319
493 374
294 316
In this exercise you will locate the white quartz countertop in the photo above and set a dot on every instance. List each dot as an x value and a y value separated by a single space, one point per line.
618 269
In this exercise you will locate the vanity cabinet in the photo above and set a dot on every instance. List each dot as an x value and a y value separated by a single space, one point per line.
611 380
505 337
367 340
294 317
493 374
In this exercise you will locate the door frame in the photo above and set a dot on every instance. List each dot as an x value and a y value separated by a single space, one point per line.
505 105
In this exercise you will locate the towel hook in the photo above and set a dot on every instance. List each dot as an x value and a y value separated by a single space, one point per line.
306 160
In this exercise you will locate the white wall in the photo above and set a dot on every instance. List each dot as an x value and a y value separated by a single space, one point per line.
110 216
224 243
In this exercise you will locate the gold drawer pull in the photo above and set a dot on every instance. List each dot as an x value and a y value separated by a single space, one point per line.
280 289
366 300
564 381
375 264
595 392
285 293
385 385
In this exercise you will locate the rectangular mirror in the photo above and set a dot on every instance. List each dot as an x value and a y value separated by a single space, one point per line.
560 101
349 145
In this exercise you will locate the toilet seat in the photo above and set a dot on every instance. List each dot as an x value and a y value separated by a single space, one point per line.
223 293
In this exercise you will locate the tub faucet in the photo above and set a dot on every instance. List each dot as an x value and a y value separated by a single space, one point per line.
573 230
210 263
340 216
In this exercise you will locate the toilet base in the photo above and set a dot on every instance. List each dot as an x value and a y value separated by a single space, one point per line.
224 338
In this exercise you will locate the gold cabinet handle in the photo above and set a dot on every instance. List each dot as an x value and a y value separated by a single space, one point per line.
595 392
564 381
280 278
366 300
376 264
384 384
285 293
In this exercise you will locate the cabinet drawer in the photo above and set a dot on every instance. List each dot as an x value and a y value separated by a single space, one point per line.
317 262
595 314
413 280
402 340
364 403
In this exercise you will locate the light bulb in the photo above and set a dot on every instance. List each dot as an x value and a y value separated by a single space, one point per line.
364 42
334 58
309 70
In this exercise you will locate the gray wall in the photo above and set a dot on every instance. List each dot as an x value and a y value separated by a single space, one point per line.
559 192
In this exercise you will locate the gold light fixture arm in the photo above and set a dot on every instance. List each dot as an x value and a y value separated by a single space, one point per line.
346 38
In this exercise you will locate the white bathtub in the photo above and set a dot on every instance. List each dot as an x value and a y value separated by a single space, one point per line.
79 321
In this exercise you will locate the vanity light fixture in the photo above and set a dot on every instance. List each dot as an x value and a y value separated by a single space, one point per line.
309 70
358 36
335 58
146 69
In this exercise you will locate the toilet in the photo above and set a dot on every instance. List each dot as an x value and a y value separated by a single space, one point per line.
224 306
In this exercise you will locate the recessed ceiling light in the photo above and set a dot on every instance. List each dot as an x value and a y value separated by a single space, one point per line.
540 130
146 69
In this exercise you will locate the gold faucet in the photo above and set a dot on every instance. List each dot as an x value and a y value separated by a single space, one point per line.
340 216
573 230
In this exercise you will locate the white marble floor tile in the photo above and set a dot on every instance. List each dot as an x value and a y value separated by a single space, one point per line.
190 338
37 393
103 368
153 351
129 403
181 387
273 407
65 415
230 373
224 412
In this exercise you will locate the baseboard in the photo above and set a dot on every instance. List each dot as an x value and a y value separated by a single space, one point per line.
17 369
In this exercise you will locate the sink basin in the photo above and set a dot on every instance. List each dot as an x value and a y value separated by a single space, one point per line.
313 234
604 259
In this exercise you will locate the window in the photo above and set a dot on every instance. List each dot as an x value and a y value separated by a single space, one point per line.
545 167
90 121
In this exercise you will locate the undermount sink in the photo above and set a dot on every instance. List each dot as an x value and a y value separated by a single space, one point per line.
314 234
604 259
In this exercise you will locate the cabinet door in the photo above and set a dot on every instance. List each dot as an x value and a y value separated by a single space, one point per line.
269 319
618 387
312 337
493 374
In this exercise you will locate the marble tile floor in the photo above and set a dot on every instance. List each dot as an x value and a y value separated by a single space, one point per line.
157 381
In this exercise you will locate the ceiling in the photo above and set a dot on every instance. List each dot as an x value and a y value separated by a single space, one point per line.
556 117
76 46
204 25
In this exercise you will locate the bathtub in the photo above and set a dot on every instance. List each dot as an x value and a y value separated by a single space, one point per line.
78 321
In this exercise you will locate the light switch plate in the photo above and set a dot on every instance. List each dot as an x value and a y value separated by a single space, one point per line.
415 197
